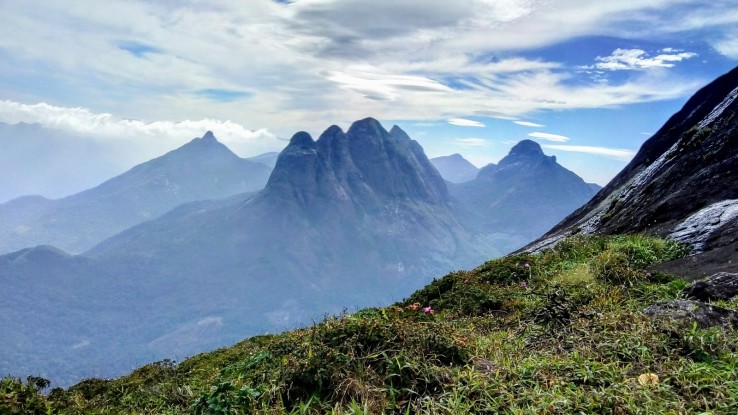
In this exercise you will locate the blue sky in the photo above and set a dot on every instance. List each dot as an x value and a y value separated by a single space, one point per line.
589 80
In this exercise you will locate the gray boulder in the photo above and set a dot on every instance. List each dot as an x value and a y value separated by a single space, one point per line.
687 312
720 286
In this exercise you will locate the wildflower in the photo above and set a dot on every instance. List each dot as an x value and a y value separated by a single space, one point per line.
428 310
466 281
515 274
527 265
648 379
523 284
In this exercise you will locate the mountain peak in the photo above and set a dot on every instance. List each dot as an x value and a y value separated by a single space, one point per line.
526 152
398 132
366 126
526 147
455 168
302 139
365 165
209 136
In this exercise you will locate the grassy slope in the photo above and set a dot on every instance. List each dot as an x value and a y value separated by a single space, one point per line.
564 335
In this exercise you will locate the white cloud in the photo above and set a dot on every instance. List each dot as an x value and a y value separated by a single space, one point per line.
315 62
471 142
385 87
550 137
82 121
462 122
614 153
528 124
728 46
638 59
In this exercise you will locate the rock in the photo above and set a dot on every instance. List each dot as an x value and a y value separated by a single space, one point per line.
720 286
681 184
687 312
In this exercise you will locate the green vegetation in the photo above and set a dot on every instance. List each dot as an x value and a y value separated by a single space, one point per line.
560 332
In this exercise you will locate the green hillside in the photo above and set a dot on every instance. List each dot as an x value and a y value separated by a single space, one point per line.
560 332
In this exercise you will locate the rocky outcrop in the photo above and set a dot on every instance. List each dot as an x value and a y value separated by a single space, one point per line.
688 312
720 286
681 184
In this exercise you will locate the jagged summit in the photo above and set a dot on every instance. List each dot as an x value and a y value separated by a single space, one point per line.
526 151
209 136
302 140
367 127
363 166
526 147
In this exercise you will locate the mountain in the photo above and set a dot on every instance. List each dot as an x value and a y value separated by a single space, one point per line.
355 218
201 169
525 319
521 197
455 168
268 159
681 184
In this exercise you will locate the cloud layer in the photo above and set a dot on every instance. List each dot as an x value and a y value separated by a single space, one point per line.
278 64
104 126
614 153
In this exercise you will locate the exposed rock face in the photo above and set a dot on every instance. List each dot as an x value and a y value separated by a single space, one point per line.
525 194
720 286
201 169
687 312
455 168
680 184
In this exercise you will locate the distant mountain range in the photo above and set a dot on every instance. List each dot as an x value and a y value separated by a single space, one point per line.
201 169
268 159
353 219
681 184
455 168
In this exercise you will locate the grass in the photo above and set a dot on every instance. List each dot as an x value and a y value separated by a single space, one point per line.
559 332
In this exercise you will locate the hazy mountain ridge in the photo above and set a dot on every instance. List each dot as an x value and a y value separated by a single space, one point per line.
201 169
520 197
455 168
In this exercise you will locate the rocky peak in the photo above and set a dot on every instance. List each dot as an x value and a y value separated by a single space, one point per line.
367 128
301 140
526 152
366 165
209 136
200 146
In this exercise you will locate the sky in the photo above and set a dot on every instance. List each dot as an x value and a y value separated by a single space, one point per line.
588 80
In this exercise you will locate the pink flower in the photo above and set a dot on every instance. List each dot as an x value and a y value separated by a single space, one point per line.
428 310
523 284
527 265
466 281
